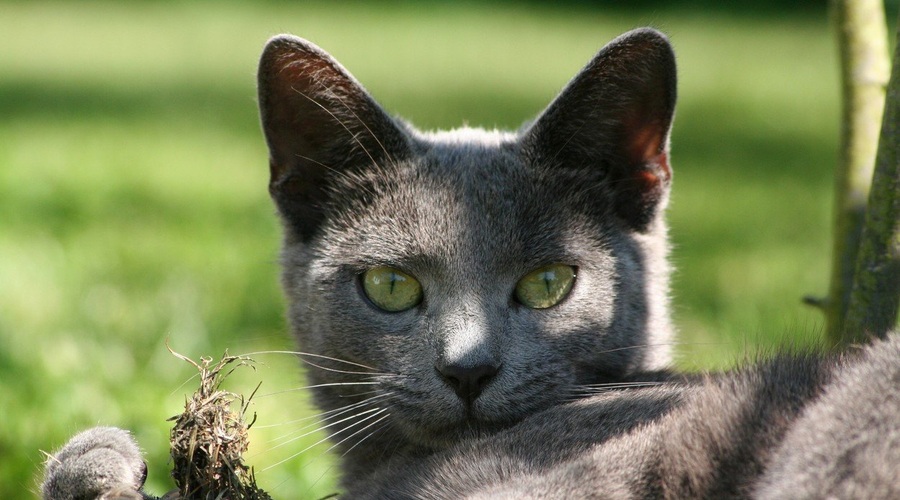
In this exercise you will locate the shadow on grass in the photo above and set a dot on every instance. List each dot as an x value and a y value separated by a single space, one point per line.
232 107
702 126
755 149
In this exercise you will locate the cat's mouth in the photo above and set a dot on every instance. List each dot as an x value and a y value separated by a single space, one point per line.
432 415
450 432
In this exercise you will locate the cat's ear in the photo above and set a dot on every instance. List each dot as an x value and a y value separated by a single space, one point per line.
614 117
319 122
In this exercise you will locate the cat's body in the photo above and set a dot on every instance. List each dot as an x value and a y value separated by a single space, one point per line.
791 427
460 381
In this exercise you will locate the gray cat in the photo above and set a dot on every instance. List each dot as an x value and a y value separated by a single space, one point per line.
468 279
457 290
451 284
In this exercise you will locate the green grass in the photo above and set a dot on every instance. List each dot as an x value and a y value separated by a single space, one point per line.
133 203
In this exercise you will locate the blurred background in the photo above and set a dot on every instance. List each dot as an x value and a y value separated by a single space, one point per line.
133 203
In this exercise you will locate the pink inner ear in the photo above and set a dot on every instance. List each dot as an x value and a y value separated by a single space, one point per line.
645 147
651 178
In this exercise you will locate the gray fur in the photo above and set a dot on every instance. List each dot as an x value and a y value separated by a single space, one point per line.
103 463
469 213
847 444
792 427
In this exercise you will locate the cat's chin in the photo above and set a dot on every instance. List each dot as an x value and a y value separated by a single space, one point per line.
452 433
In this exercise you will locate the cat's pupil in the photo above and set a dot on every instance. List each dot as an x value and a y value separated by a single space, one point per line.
390 289
545 287
548 279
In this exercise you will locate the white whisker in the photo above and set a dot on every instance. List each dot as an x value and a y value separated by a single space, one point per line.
331 384
321 356
289 435
585 391
657 344
360 430
351 417
358 394
623 384
326 438
308 362
367 436
361 122
192 377
323 414
341 123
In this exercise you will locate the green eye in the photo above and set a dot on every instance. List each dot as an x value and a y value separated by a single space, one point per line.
545 287
391 289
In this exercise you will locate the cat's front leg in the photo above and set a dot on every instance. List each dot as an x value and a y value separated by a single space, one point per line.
103 463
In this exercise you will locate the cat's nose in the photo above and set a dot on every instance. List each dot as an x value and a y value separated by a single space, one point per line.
468 381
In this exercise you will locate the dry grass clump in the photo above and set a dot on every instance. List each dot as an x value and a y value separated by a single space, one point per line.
210 437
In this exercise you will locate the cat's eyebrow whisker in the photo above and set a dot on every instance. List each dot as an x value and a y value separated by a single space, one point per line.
361 122
317 162
375 165
565 144
338 173
382 410
340 122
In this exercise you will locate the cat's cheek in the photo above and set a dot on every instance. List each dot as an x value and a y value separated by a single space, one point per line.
431 422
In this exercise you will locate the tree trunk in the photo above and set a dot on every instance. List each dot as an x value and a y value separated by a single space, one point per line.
875 296
862 38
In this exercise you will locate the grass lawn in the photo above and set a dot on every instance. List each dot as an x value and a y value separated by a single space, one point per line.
133 204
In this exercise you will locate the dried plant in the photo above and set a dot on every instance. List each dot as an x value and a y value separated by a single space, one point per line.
210 437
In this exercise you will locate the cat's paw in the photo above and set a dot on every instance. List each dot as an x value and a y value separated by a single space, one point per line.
103 463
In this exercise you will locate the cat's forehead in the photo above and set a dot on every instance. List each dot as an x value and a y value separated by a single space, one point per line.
468 138
469 161
451 191
467 195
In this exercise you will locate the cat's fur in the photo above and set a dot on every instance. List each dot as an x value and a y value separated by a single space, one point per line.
793 427
103 463
468 213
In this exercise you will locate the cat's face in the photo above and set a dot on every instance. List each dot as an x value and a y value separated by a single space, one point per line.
468 279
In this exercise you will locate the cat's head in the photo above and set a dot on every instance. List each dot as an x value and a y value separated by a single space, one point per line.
485 274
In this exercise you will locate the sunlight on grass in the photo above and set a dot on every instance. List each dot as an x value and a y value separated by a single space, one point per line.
133 204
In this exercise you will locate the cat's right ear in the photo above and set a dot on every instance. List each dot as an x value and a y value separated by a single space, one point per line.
319 122
613 121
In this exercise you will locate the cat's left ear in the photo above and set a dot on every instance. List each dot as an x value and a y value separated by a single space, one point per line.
614 119
320 124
